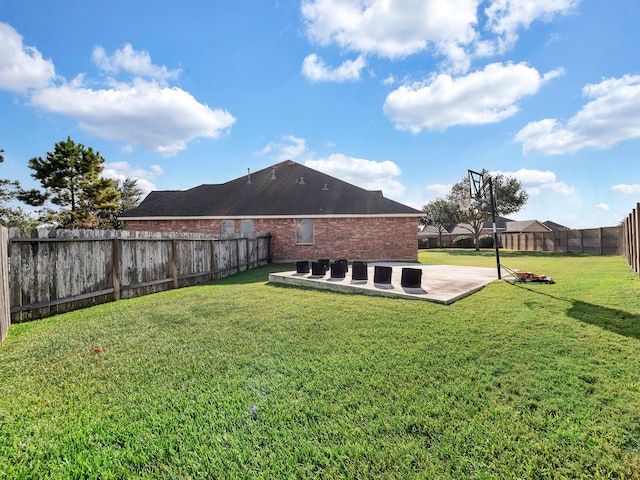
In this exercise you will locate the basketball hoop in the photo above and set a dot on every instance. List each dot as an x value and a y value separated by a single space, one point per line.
465 202
477 184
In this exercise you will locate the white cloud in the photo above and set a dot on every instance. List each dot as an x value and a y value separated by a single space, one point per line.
452 29
145 178
603 207
144 113
290 148
133 61
438 190
366 174
21 67
389 28
485 96
537 181
315 70
612 116
506 17
390 80
626 189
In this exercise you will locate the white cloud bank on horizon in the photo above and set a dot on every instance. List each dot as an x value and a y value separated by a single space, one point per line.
481 97
367 174
537 181
611 116
142 111
123 170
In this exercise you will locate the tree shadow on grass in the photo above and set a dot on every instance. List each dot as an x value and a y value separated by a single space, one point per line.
612 319
254 275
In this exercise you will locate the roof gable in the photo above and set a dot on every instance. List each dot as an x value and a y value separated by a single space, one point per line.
284 189
526 226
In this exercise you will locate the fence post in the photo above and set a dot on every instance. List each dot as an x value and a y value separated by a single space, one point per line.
174 262
237 255
248 253
213 260
636 233
115 268
5 311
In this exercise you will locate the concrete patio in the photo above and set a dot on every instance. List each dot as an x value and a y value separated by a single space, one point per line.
440 283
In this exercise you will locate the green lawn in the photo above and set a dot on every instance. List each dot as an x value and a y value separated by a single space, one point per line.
242 379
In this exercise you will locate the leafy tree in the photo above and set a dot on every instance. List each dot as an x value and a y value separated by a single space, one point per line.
70 177
12 216
509 197
130 197
440 213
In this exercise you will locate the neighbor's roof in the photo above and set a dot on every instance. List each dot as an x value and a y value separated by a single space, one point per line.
555 226
526 226
285 189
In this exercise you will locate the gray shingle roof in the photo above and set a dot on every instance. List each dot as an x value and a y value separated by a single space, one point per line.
286 188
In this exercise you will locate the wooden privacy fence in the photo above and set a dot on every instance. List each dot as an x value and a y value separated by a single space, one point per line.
63 270
631 227
592 241
5 317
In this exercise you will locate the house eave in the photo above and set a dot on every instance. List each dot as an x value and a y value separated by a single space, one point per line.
272 217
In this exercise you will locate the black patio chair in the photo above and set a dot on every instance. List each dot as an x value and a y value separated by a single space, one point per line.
411 278
338 269
359 271
302 267
382 275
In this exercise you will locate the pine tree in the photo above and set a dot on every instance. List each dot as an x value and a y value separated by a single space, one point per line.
71 181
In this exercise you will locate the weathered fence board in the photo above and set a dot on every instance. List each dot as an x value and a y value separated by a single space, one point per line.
5 297
56 271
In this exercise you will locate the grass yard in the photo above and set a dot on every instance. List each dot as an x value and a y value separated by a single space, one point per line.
242 379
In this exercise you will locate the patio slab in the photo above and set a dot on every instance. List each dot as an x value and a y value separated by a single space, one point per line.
440 283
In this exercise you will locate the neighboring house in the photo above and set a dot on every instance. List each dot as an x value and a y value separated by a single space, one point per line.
309 214
429 234
555 227
526 226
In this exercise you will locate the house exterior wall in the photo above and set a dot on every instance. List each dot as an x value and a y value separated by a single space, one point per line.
362 238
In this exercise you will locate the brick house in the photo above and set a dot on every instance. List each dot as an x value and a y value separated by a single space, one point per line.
309 214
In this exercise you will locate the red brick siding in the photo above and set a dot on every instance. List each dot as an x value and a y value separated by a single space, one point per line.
386 238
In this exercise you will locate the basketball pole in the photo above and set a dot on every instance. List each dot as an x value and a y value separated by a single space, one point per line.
495 228
480 187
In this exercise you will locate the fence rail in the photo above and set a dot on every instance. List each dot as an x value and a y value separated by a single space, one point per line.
62 270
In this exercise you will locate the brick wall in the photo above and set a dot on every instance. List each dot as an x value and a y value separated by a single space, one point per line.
386 238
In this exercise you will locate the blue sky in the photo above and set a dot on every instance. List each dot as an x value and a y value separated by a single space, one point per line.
399 95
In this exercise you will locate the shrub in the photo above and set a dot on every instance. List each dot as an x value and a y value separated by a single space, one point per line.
486 241
463 241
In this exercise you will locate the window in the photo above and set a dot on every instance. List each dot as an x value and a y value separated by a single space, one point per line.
246 226
227 226
304 231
